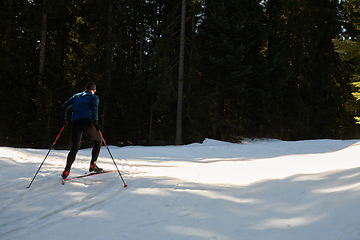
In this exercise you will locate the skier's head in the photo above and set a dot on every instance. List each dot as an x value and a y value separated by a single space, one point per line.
90 86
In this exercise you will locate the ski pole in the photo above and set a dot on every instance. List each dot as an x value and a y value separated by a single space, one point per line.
112 158
46 156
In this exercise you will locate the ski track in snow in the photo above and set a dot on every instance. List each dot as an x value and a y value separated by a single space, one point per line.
262 189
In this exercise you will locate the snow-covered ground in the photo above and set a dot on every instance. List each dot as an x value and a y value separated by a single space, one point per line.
261 189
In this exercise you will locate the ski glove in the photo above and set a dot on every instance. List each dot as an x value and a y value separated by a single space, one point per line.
97 126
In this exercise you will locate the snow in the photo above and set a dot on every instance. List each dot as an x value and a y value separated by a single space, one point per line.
258 189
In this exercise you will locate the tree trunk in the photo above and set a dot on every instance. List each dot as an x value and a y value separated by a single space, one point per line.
41 62
178 140
9 28
108 64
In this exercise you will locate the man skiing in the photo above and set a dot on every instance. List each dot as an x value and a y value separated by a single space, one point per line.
84 119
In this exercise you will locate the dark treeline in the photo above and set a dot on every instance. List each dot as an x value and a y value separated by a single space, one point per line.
252 69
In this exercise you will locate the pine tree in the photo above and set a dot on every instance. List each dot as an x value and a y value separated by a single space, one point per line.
348 45
312 102
232 67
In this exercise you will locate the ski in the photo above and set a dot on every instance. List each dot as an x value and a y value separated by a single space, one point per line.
86 175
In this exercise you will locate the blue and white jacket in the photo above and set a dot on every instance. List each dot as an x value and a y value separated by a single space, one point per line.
85 105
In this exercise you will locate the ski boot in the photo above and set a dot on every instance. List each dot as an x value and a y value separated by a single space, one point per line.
95 168
65 174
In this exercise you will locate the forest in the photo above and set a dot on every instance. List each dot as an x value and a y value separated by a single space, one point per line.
179 71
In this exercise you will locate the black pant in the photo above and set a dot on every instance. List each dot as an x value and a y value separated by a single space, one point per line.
78 127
